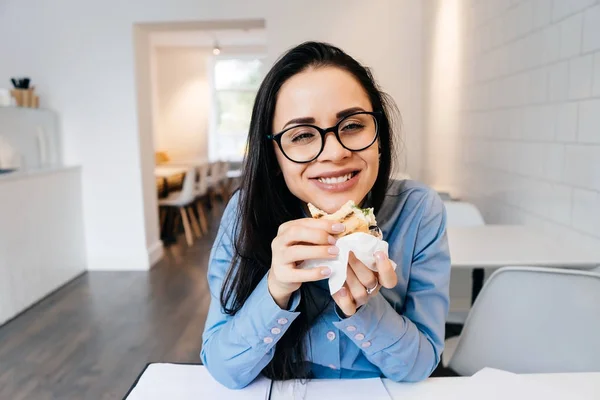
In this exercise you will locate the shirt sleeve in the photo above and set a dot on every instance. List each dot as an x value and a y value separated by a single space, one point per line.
235 348
408 347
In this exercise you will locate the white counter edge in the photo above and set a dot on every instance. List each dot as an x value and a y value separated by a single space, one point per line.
32 173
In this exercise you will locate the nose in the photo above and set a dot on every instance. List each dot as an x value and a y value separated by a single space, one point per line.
333 149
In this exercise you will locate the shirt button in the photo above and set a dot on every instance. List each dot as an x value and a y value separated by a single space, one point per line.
268 340
282 321
331 336
365 345
359 336
351 328
275 331
332 366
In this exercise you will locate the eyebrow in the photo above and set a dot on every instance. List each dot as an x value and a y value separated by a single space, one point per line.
311 120
348 111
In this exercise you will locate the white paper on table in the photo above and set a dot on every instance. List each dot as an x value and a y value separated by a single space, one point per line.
191 382
319 389
363 245
495 384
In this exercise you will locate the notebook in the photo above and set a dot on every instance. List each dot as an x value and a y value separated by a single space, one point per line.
183 381
194 382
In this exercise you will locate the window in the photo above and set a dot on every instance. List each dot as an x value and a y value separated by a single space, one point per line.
235 83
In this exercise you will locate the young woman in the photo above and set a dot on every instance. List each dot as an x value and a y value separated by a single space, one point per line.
321 134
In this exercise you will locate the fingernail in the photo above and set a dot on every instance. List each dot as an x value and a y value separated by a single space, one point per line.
332 240
333 250
380 255
343 292
338 227
326 271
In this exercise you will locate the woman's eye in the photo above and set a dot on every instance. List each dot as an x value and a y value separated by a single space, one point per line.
352 126
303 136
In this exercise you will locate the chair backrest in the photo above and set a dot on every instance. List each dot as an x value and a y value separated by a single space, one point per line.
213 170
533 320
202 180
188 193
462 214
445 196
224 170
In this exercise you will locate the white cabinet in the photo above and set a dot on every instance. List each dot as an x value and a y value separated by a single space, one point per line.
41 236
6 296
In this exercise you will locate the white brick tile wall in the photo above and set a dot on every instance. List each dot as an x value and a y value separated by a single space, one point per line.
589 122
542 13
530 129
596 75
551 46
586 211
580 77
538 86
566 122
570 36
582 166
563 8
557 198
591 23
524 18
554 162
558 81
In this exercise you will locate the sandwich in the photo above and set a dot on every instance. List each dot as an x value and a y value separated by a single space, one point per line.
355 219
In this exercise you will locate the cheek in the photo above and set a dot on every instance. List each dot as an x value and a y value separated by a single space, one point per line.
292 173
371 158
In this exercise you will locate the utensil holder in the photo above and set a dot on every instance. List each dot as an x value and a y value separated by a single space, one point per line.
26 97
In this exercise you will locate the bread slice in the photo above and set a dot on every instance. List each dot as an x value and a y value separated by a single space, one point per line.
354 218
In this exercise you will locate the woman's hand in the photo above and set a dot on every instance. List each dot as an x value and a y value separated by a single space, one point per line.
297 241
362 283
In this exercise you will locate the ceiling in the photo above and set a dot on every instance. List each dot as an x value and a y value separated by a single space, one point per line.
208 38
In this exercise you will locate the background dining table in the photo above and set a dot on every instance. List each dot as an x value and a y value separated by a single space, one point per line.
495 246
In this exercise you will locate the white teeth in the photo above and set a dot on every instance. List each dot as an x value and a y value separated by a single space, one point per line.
339 179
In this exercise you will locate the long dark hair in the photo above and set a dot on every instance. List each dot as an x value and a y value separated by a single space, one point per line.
265 201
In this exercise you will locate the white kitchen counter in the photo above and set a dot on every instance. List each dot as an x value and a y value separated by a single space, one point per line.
42 242
32 173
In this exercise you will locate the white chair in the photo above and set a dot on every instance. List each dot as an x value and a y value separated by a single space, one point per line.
201 193
533 320
224 180
182 200
445 196
462 214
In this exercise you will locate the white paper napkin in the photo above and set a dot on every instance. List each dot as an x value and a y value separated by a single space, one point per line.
363 245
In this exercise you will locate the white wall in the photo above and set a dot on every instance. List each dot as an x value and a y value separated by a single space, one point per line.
183 101
513 110
81 58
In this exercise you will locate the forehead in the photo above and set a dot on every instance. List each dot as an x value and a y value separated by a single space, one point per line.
318 93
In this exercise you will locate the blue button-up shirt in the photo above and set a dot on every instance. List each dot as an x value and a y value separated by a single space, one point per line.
398 334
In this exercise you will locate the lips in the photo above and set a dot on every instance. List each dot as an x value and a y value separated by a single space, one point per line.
336 182
337 179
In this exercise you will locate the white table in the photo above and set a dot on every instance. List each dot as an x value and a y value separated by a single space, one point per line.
495 246
167 381
198 162
585 385
165 171
234 173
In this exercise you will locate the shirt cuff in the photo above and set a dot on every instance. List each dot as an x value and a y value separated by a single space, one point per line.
375 326
261 322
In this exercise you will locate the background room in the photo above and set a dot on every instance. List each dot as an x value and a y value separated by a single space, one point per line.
118 156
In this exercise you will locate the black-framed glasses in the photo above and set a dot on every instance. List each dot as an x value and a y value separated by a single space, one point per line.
304 143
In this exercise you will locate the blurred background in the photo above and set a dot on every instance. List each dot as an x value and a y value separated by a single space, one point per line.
121 150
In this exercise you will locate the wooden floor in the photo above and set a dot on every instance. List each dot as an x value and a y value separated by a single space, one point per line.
91 339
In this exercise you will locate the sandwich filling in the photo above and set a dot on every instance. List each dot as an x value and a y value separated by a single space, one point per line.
355 219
